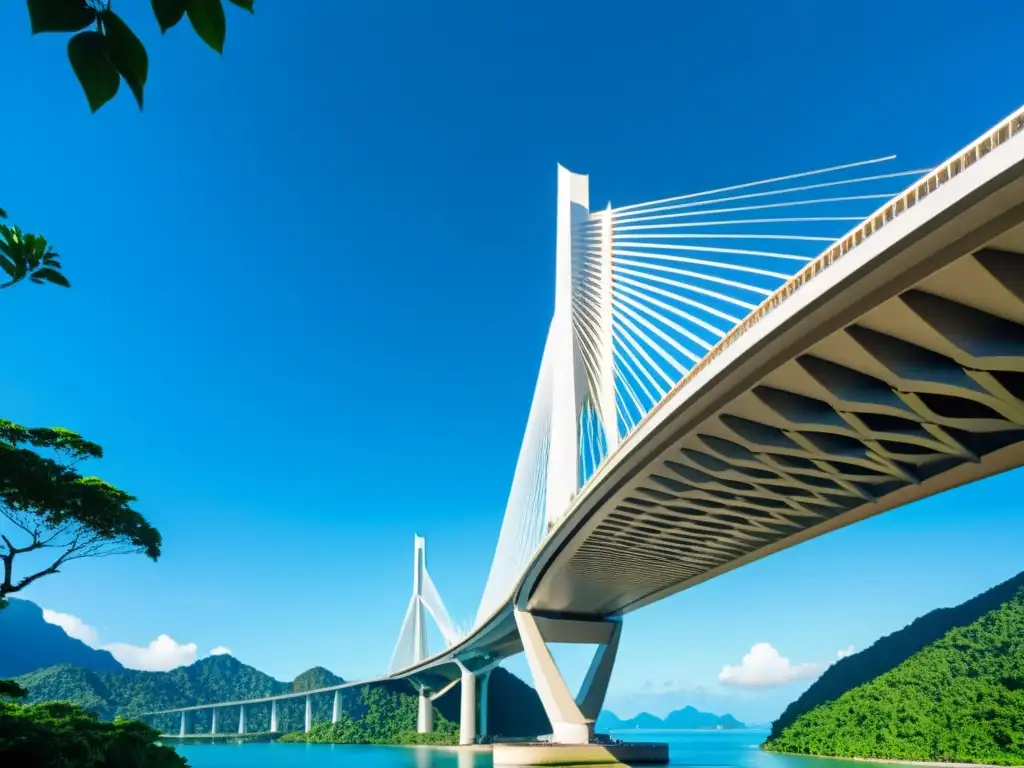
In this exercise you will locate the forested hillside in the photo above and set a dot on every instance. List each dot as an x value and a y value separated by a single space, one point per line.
959 699
892 650
514 709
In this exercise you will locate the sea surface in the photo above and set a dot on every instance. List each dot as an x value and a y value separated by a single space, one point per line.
706 749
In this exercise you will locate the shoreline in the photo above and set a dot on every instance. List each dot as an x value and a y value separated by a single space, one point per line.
890 761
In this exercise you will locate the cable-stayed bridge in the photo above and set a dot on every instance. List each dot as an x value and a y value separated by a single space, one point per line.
727 374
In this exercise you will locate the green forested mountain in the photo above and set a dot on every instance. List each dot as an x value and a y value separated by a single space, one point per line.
958 699
892 650
514 709
110 690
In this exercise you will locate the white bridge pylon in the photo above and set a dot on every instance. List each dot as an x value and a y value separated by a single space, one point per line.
412 648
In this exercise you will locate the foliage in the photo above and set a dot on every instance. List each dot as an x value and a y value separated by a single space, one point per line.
104 51
24 255
386 717
892 650
960 699
56 509
11 690
59 735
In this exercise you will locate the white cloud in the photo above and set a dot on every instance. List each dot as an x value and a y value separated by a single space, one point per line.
159 655
764 666
220 650
73 627
844 652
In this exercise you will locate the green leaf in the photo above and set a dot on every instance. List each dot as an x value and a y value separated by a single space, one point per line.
168 12
59 15
93 67
52 275
127 53
246 5
207 17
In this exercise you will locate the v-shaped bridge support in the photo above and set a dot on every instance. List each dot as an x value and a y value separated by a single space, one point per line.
572 717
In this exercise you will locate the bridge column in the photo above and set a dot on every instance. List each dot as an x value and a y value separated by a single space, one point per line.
425 717
485 680
213 720
336 712
569 375
309 712
467 712
183 729
572 718
273 716
241 719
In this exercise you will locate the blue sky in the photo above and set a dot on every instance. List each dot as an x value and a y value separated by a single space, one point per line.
312 282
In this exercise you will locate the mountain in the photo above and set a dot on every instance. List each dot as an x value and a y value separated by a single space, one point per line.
687 718
959 699
71 671
892 650
28 642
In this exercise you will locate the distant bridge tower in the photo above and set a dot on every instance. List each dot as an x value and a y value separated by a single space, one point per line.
412 640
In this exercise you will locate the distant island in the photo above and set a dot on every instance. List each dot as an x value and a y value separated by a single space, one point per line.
687 718
947 688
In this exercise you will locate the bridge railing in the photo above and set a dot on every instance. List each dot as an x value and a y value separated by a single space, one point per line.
904 201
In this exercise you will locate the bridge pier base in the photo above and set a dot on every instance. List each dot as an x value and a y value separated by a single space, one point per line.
425 718
572 718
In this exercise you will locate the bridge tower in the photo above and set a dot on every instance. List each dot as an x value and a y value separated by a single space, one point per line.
571 386
425 715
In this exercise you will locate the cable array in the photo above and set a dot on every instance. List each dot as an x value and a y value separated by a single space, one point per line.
687 269
522 528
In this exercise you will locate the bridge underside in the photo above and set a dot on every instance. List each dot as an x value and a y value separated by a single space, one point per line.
922 392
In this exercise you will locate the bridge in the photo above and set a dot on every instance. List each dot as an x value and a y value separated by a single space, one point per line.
702 403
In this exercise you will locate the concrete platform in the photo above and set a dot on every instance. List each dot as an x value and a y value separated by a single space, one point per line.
541 753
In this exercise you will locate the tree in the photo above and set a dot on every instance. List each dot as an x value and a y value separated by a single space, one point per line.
52 508
60 734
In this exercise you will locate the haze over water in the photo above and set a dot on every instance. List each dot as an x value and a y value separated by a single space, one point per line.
703 749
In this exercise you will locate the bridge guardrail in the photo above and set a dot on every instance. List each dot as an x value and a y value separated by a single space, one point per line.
953 167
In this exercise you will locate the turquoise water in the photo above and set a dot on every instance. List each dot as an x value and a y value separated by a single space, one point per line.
706 749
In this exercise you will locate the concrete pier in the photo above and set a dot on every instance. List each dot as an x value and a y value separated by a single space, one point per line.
309 713
241 719
273 716
183 730
485 680
425 718
336 711
467 716
213 720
